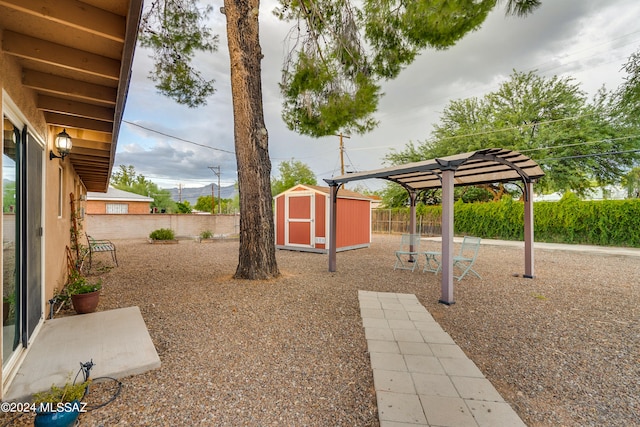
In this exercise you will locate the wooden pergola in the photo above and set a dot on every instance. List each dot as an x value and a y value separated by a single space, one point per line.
492 165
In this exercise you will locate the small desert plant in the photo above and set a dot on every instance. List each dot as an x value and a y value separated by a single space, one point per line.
67 393
162 234
206 234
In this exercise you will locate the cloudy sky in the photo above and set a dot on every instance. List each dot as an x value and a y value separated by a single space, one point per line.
588 40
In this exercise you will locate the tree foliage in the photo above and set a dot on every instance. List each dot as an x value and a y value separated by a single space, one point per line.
175 31
548 119
631 181
292 173
331 82
9 196
204 204
184 207
628 94
127 179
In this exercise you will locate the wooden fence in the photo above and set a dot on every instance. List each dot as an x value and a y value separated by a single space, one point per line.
387 221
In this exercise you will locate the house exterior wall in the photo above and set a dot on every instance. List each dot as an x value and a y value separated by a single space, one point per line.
134 208
21 101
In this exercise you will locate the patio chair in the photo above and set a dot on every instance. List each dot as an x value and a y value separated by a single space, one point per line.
467 257
407 255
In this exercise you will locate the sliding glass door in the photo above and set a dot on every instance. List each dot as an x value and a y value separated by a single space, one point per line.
11 327
21 237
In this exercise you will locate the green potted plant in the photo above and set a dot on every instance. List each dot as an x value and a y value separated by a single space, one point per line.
84 294
59 406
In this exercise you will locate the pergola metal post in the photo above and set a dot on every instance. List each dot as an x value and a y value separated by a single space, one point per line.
446 288
412 220
528 230
333 210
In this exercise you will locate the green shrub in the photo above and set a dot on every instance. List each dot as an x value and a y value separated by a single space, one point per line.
569 220
162 234
206 234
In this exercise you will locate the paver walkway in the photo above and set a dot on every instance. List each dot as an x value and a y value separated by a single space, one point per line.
421 377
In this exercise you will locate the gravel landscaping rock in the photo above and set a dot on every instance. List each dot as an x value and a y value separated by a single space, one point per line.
562 349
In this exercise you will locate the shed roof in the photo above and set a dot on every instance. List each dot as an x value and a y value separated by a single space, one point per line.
477 167
342 193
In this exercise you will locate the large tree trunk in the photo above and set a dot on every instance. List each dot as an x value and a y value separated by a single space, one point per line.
257 259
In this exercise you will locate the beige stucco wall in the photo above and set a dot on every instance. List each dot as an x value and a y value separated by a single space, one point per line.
56 229
140 226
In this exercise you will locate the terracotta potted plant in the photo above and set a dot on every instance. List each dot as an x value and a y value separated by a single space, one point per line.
59 406
84 294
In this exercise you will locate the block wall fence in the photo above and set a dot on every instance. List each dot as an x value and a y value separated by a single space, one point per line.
113 226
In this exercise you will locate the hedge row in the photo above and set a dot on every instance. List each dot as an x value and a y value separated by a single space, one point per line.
570 220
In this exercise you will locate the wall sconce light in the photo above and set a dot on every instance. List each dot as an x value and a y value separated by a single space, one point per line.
63 145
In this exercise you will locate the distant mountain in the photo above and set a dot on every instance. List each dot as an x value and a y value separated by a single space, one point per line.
192 194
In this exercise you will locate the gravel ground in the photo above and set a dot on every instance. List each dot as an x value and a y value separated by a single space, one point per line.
562 349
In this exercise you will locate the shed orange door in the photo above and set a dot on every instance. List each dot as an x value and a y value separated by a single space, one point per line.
299 221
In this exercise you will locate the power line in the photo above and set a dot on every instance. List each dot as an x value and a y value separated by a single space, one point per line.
178 138
581 156
579 143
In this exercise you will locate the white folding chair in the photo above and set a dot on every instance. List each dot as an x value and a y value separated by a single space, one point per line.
407 255
467 257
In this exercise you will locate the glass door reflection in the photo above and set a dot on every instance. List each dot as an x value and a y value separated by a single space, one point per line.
10 288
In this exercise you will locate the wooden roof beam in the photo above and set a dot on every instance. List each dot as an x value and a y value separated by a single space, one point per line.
74 14
66 121
49 53
63 86
75 108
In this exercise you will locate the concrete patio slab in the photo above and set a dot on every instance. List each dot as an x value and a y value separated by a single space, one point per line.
116 340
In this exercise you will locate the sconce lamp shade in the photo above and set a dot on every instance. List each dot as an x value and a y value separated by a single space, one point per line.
63 145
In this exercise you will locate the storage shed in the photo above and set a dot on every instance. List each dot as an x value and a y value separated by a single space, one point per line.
302 219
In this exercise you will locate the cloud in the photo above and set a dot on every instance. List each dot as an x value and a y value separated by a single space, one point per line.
586 39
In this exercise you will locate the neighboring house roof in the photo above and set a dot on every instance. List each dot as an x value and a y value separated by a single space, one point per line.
115 195
342 193
77 58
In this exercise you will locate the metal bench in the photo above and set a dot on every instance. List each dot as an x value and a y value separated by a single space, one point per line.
101 246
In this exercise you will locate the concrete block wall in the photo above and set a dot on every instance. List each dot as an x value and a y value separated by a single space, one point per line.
140 226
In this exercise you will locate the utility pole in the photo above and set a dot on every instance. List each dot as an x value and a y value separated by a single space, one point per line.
342 152
180 192
213 169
